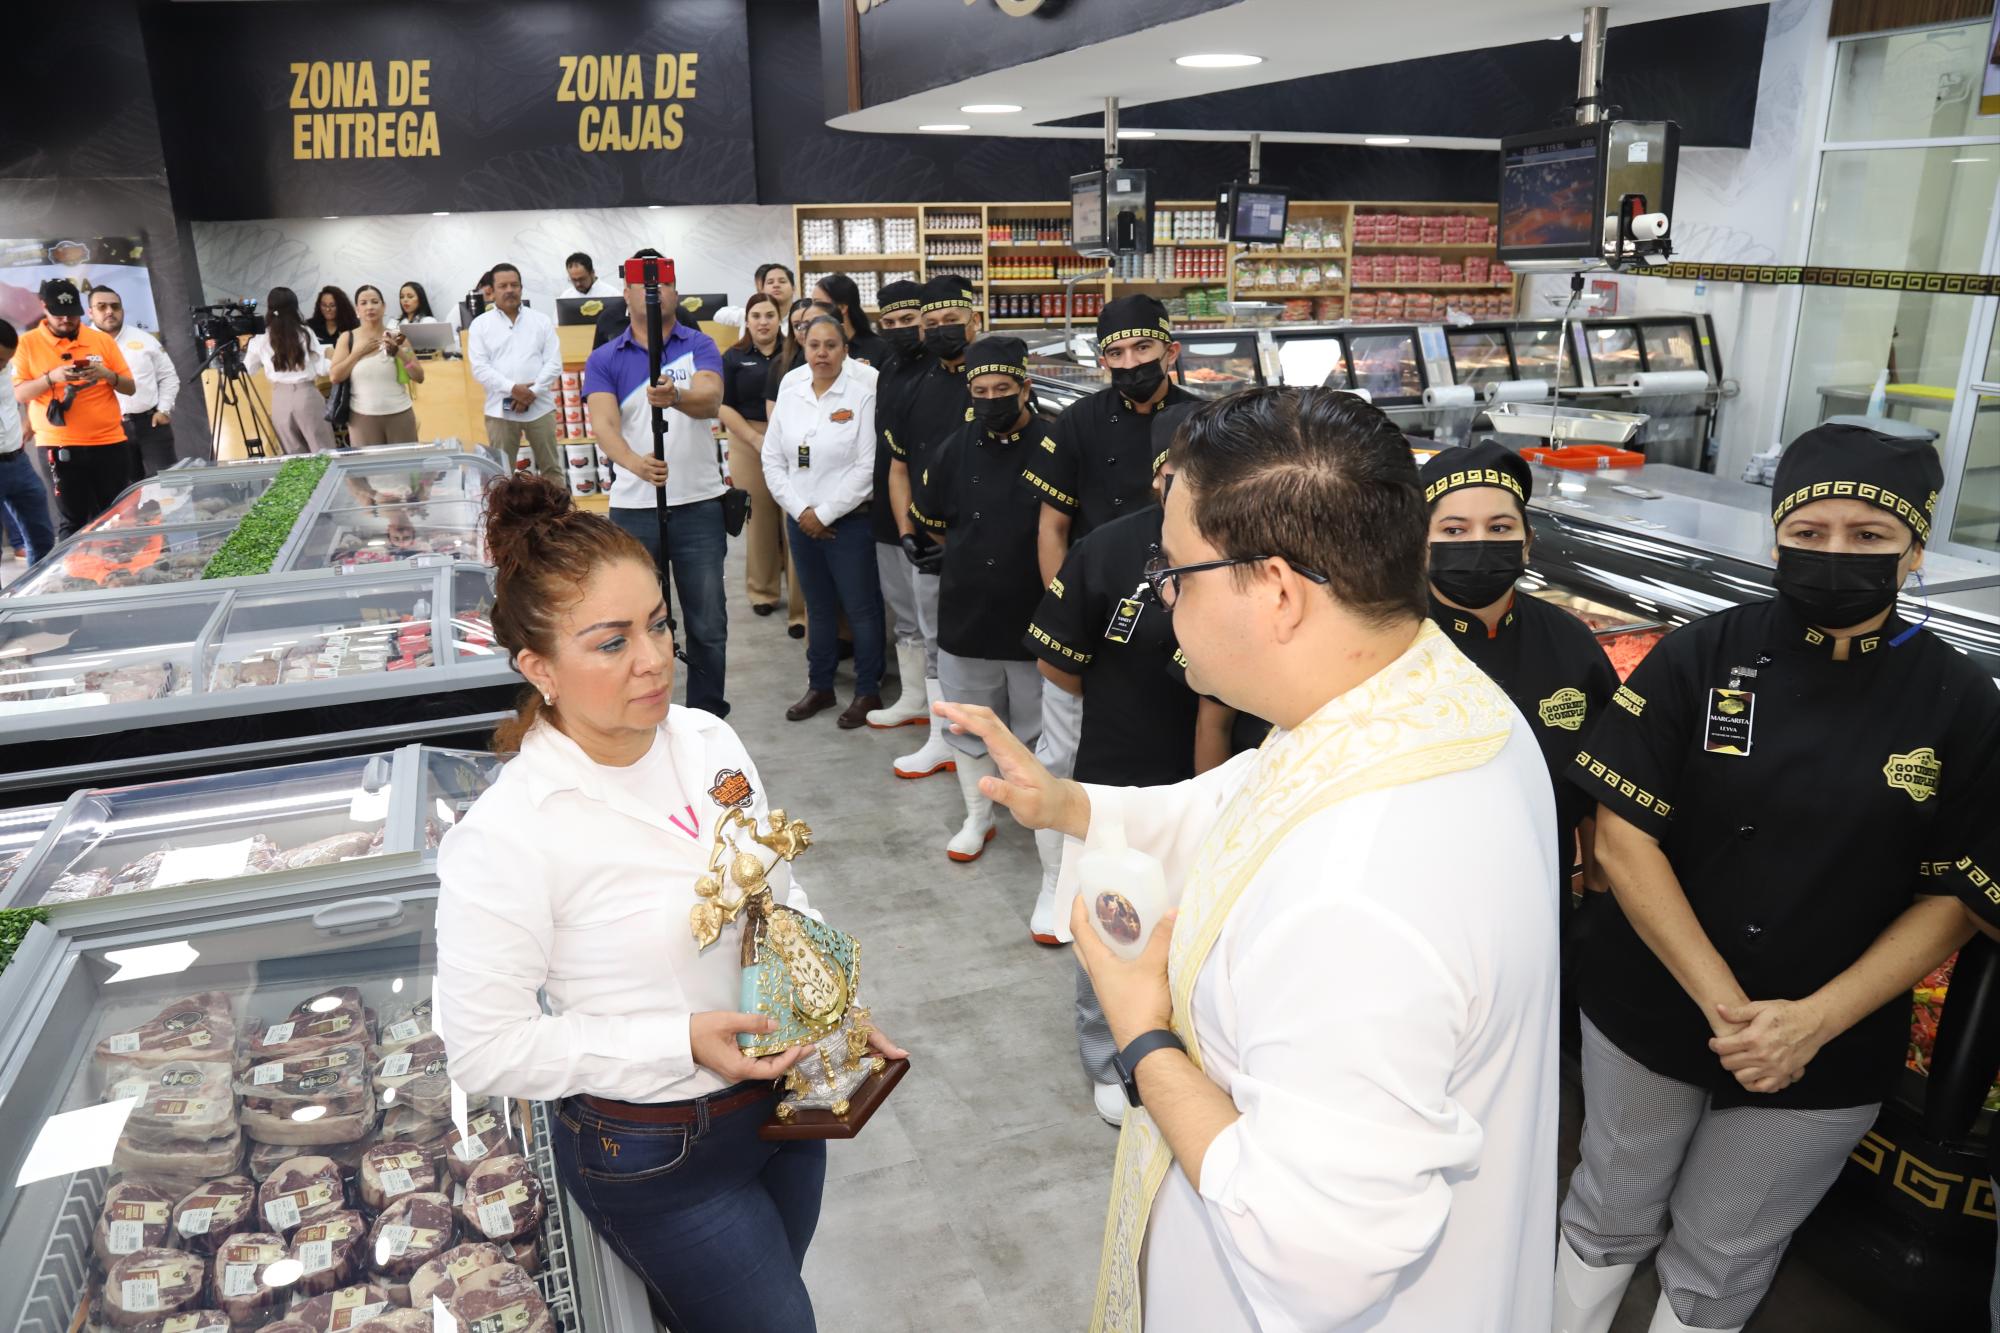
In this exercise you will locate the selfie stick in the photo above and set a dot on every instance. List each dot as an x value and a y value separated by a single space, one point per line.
652 273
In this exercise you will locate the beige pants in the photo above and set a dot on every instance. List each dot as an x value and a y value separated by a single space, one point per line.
540 434
298 412
766 553
392 428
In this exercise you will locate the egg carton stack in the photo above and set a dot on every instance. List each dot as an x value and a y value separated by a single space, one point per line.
572 422
899 236
588 470
861 236
819 236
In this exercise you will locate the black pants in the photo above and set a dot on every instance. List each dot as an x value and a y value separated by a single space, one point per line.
152 447
88 478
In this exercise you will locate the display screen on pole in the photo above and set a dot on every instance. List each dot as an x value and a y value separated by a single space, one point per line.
1550 185
1255 214
1086 211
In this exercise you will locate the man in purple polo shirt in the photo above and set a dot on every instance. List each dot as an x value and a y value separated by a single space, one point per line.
621 403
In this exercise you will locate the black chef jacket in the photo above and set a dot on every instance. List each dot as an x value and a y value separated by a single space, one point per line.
870 347
892 387
1554 670
972 495
1138 713
927 412
1865 783
744 369
1098 462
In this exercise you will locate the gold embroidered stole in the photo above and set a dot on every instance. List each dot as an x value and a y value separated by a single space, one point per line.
1428 713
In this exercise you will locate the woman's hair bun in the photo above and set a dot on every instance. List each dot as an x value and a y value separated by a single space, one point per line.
520 508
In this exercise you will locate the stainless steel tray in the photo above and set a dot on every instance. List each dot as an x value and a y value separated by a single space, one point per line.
1563 425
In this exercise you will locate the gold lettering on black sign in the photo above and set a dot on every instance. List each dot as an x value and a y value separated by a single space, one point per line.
631 103
336 110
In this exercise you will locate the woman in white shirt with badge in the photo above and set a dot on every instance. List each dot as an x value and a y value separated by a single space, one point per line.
573 878
819 462
292 361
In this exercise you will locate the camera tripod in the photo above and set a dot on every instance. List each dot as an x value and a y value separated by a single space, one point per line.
236 393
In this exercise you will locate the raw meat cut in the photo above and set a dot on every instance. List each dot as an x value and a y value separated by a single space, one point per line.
188 1321
152 1282
329 1252
214 1212
179 1101
268 1157
486 1135
527 1252
395 1168
415 1076
406 1023
335 1078
291 1128
399 1321
503 1199
136 1216
338 1311
236 1279
302 1190
331 1018
179 1164
411 1232
194 1027
324 852
500 1300
440 1276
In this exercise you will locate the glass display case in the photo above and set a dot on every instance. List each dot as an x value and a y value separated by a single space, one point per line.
169 499
1614 352
1535 351
1387 364
20 830
253 1115
1312 356
133 556
97 688
1479 356
349 538
1213 364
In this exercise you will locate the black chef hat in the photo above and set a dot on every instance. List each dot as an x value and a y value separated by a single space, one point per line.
1166 421
1133 317
997 354
1482 464
945 291
1842 461
60 297
901 294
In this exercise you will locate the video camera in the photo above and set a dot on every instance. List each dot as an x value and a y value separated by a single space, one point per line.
225 322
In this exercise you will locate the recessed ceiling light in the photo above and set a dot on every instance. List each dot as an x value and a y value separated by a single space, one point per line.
1958 161
943 129
1218 60
1135 134
441 215
655 206
990 109
1384 140
329 217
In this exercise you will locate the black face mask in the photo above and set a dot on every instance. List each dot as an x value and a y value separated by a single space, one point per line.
1476 574
946 341
998 415
1139 382
908 341
1833 590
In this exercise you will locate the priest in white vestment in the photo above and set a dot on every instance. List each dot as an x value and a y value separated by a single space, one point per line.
1344 1046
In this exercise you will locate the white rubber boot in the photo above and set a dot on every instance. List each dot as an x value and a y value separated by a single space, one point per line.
1666 1321
934 756
969 843
1111 1103
910 709
1042 924
1587 1298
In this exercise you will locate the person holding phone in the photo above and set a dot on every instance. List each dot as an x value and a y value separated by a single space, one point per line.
516 358
69 377
382 366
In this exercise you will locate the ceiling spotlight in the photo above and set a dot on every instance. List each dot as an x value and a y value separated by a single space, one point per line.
1384 140
1135 134
990 109
1217 60
943 129
329 217
441 215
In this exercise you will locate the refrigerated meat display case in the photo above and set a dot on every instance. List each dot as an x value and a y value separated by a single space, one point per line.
251 1114
117 686
372 506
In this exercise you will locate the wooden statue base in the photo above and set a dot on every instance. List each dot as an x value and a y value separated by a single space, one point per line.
825 1124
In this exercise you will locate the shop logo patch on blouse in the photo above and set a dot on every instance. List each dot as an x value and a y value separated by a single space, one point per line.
731 789
1565 708
1916 773
1730 716
845 414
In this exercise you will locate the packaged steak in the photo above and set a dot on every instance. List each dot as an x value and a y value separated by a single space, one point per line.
406 1023
201 1026
395 1168
500 1300
136 1216
525 1252
325 852
74 886
330 1018
503 1199
399 1321
179 1100
485 1135
329 1252
411 1232
268 1157
215 1211
179 1164
302 1190
288 1326
152 1282
188 1321
236 1276
415 1076
288 1127
335 1078
339 1311
440 1277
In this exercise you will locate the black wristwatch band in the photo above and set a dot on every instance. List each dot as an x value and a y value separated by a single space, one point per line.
1126 1062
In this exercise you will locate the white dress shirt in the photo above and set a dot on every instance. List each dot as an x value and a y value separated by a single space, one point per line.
258 357
504 352
838 431
155 384
1380 1006
598 287
10 423
574 880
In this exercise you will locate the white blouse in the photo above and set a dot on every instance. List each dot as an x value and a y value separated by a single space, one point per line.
837 429
257 357
573 881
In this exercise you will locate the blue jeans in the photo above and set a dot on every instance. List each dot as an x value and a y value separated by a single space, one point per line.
840 575
696 545
715 1220
25 503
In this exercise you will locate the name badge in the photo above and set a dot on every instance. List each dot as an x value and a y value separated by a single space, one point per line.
1730 714
1123 620
805 457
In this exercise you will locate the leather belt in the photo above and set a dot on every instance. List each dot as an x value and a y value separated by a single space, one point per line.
678 1113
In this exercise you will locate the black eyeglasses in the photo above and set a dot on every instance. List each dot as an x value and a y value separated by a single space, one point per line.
1164 580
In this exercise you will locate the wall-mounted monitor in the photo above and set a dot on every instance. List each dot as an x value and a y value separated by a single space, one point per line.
1252 214
1110 213
1551 185
1086 212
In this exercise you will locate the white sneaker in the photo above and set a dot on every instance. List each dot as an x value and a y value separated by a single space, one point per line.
1666 1321
969 843
1587 1298
935 756
1042 924
1111 1103
911 707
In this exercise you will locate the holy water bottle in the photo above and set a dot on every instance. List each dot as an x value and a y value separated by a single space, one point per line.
1123 889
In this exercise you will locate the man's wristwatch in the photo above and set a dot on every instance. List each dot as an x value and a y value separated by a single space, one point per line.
1126 1062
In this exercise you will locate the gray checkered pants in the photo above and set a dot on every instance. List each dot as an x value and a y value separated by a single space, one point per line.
1717 1192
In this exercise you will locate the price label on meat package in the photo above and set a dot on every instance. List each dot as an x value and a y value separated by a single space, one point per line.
139 1295
239 1280
126 1237
123 1044
315 1256
393 1242
196 1221
351 1307
270 1073
407 1030
395 1066
151 1211
284 1211
510 1320
279 1033
396 1181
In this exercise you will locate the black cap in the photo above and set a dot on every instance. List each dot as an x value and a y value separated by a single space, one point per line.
1482 464
1133 317
1843 461
1167 421
945 291
997 354
60 297
902 294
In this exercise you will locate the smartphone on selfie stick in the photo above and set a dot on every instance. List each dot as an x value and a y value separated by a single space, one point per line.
652 273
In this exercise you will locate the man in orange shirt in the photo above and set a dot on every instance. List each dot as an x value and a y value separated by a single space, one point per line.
70 377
